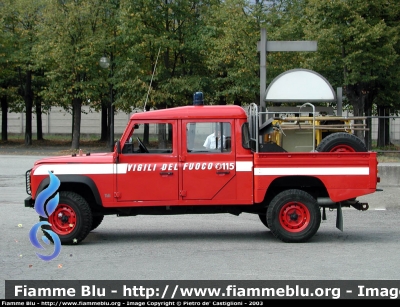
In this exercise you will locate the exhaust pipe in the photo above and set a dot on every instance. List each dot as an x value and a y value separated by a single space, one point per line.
325 201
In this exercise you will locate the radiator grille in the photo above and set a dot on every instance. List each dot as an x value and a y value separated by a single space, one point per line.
28 182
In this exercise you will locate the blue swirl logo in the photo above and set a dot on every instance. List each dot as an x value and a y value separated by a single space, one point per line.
45 211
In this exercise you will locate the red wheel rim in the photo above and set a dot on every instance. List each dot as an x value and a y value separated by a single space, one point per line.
294 216
63 220
342 148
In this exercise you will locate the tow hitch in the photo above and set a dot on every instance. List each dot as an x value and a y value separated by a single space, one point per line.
360 206
339 217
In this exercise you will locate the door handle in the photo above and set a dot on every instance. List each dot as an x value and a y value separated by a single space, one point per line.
166 173
223 172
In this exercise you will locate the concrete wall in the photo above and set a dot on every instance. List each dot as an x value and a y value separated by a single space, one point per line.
58 121
389 174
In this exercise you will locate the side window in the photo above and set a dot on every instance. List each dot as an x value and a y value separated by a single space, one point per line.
208 137
150 138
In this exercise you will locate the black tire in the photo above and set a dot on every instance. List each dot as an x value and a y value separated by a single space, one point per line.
263 219
293 216
72 219
96 221
341 142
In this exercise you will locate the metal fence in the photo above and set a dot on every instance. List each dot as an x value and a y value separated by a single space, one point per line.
391 134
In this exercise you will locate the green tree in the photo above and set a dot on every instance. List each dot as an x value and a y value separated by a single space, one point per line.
20 24
358 49
285 22
8 76
232 33
163 35
70 40
230 37
114 51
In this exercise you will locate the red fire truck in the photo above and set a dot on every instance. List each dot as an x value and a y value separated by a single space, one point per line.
162 165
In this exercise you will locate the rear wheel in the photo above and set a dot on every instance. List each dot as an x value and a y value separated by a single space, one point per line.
72 219
293 216
341 142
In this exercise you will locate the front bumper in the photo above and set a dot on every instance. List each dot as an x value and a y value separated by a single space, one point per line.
29 202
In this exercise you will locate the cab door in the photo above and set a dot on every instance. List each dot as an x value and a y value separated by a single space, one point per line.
148 165
207 173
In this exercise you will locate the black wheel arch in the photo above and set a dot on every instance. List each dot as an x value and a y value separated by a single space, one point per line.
82 185
309 184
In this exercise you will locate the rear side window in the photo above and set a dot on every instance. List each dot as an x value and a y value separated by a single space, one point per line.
208 137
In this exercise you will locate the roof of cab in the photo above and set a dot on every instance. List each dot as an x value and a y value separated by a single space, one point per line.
210 112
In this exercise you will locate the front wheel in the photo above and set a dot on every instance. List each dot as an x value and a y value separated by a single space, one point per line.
293 216
71 220
97 219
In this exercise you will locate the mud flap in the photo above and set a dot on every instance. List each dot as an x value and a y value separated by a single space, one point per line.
339 218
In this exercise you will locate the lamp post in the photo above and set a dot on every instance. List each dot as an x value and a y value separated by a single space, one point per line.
106 63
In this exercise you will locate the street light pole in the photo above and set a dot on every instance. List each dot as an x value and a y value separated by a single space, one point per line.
106 63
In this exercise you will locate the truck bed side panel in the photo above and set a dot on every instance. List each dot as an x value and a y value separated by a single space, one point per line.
345 175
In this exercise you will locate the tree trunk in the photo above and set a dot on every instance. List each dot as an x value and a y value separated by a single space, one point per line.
356 96
38 105
104 124
368 133
383 127
237 102
170 135
387 129
162 135
28 97
368 112
4 114
76 135
146 131
109 110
